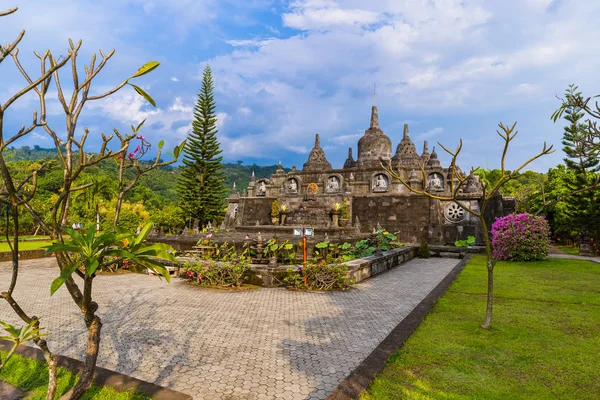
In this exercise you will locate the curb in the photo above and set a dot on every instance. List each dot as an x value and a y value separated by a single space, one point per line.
363 375
102 376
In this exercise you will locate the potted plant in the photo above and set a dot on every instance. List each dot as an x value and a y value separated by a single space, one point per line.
283 212
345 215
335 214
275 212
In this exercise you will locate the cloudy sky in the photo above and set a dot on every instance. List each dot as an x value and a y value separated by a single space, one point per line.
285 70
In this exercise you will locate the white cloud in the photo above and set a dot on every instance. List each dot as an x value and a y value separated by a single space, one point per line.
174 79
244 110
346 139
178 106
318 14
430 133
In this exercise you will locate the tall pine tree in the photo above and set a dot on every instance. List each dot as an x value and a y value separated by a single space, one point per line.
581 209
201 186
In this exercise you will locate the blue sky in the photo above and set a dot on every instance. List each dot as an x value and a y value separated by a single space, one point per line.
285 70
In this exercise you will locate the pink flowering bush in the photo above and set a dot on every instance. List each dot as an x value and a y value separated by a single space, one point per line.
521 237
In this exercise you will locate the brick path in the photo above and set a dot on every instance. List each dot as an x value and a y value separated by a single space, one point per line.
212 344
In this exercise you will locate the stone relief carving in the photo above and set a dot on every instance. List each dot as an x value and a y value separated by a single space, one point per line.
333 185
454 213
261 190
435 182
380 183
292 185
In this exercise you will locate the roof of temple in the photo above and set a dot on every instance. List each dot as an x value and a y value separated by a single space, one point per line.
316 159
374 146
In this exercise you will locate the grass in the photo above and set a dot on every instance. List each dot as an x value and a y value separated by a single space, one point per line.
574 251
543 344
24 245
32 376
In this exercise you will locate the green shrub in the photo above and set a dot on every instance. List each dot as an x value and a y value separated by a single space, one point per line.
424 251
319 276
470 241
218 273
345 209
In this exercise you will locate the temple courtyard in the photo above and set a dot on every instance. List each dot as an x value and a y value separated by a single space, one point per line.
215 344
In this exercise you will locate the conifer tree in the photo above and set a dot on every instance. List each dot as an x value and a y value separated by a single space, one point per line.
201 186
582 208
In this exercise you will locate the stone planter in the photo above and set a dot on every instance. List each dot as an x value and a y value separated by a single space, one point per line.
344 222
283 216
335 219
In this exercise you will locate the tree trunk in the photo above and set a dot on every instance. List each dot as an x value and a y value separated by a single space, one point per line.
97 217
89 366
490 263
490 295
51 361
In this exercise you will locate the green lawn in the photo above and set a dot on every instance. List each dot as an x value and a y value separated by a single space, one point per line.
544 344
574 251
32 376
25 245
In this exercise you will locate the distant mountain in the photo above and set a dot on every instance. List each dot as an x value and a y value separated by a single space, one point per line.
234 172
240 174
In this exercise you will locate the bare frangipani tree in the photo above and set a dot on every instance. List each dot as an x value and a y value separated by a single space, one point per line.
70 145
458 181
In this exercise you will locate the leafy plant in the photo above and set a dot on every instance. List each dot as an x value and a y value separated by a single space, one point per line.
18 336
469 241
424 251
385 239
93 252
275 209
232 273
345 210
318 275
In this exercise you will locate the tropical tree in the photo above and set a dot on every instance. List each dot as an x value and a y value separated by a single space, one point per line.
201 186
17 192
489 191
583 161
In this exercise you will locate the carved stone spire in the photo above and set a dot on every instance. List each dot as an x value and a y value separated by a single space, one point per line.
406 153
374 118
433 159
349 163
317 161
374 147
234 192
425 156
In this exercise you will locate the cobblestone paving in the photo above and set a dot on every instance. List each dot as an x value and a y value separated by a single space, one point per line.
212 344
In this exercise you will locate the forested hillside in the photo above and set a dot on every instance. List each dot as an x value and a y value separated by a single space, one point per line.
154 198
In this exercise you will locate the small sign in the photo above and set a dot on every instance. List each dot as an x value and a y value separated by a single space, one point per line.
309 232
297 231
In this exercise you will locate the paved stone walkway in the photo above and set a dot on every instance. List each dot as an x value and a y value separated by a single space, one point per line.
212 344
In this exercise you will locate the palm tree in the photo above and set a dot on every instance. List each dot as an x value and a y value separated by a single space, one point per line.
101 188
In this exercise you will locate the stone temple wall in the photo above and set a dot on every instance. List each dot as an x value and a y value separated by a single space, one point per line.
408 215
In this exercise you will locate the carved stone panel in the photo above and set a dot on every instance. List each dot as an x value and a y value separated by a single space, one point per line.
380 183
454 213
292 186
261 188
435 182
333 184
